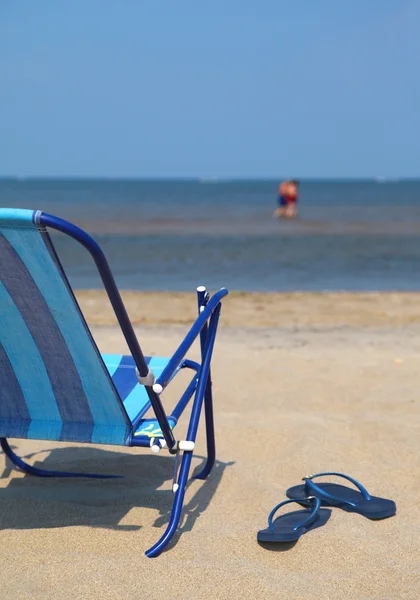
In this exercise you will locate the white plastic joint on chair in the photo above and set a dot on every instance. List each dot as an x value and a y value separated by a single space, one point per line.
157 388
186 445
148 380
156 445
37 216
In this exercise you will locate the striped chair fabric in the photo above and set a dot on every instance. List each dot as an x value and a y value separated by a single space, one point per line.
54 384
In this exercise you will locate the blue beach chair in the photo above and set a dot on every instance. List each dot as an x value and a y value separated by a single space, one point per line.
54 383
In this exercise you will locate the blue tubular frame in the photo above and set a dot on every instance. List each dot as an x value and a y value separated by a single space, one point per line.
185 398
191 436
202 299
16 460
176 413
46 220
200 323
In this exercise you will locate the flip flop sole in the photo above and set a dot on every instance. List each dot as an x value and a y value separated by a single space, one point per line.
375 508
284 526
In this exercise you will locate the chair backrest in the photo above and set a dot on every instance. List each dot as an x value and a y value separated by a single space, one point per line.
53 382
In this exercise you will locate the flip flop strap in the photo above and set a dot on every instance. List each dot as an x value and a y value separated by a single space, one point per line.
315 489
312 515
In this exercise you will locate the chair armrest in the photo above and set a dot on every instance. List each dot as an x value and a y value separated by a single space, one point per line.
179 354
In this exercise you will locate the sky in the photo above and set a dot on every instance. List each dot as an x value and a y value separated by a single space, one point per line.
227 88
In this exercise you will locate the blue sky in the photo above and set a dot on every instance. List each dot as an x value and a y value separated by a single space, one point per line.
228 88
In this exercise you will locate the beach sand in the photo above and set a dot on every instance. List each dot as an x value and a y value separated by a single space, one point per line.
302 383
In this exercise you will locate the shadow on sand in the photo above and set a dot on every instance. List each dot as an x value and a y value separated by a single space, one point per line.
32 502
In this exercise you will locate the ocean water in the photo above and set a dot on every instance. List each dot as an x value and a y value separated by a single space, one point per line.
175 235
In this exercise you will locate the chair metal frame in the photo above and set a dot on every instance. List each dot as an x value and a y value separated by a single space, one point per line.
204 328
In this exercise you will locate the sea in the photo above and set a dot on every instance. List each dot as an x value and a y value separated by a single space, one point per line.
357 235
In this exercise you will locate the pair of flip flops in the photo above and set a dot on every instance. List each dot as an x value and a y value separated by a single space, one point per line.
291 526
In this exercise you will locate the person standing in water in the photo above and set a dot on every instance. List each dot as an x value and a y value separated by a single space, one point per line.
287 198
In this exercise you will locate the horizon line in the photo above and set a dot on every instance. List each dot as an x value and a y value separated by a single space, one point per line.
206 179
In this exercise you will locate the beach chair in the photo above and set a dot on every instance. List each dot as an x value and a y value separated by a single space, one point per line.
55 384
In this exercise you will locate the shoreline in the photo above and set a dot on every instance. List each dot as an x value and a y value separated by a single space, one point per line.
261 309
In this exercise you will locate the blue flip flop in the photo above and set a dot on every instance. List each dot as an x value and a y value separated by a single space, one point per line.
350 500
291 526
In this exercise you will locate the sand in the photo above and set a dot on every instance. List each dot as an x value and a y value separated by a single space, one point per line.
302 383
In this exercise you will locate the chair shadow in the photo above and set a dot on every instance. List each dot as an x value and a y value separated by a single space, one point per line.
32 502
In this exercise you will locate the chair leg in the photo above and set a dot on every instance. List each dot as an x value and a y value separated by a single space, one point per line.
176 508
203 298
44 472
203 391
211 446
